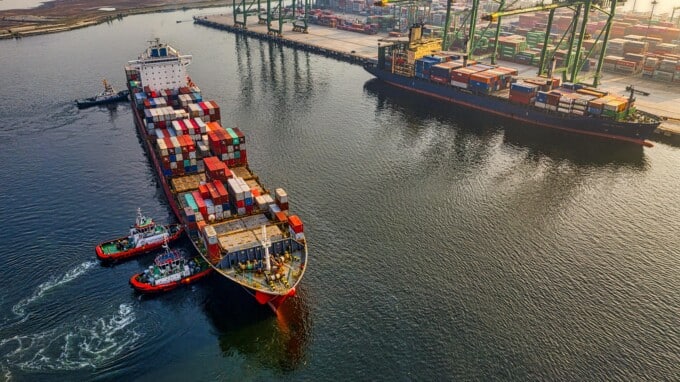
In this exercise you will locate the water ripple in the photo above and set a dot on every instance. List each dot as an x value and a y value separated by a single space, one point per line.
20 308
77 345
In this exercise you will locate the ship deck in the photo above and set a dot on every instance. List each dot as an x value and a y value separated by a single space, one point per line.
240 238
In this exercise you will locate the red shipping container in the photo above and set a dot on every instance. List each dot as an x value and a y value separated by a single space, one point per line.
213 194
224 194
203 190
523 98
440 80
255 192
169 145
200 203
240 203
295 224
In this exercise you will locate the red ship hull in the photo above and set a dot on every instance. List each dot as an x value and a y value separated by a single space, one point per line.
147 288
123 255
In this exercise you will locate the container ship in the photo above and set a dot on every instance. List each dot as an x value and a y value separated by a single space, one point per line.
420 66
240 228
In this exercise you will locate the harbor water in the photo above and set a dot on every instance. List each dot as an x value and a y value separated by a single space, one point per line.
444 244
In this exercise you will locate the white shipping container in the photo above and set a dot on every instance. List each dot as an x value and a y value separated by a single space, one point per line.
261 202
175 142
459 84
210 234
201 125
177 128
268 198
281 195
218 209
235 188
162 147
297 236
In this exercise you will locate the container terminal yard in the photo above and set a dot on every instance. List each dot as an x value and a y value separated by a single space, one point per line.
613 51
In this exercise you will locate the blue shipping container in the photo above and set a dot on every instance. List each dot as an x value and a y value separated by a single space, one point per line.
542 97
441 71
523 88
594 111
479 84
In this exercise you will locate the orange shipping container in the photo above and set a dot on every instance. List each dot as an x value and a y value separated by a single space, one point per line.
281 216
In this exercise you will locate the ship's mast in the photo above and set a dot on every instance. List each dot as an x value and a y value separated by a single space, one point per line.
266 243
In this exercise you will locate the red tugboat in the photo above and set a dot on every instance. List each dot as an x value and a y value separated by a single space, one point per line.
170 270
145 236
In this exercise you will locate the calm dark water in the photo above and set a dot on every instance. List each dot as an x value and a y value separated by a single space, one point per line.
445 245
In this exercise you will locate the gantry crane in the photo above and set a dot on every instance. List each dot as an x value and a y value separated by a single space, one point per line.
275 11
574 59
582 10
677 23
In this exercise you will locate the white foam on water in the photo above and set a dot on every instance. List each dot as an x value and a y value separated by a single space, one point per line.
78 345
6 374
20 308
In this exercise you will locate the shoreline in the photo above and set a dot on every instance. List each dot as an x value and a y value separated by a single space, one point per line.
62 15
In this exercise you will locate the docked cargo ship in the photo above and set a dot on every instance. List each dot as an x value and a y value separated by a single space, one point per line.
419 66
241 229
